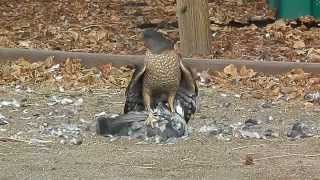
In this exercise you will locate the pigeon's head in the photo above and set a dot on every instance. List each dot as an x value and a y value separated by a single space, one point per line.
156 42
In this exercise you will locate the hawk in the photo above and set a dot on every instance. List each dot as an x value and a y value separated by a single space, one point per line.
162 79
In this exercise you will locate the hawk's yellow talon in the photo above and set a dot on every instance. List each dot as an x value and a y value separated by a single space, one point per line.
150 120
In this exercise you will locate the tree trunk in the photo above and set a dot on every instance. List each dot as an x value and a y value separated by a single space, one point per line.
193 16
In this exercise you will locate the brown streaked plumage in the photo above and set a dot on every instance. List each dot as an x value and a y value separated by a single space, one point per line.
162 78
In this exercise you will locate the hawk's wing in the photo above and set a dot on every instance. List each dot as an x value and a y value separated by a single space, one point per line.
187 93
134 98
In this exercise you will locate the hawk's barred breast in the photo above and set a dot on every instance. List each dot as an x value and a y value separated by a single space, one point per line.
162 71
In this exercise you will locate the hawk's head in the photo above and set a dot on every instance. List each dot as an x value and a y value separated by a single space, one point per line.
156 42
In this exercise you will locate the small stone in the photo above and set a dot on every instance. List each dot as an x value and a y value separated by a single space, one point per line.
3 120
249 134
237 95
223 95
76 141
203 116
210 130
221 137
267 35
78 102
59 133
225 105
65 101
61 89
63 141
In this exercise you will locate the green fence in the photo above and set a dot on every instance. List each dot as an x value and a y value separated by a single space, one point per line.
292 9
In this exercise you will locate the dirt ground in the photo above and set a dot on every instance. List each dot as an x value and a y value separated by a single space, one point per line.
201 156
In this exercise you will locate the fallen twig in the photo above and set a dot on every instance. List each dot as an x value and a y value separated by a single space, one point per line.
288 155
244 147
8 139
144 166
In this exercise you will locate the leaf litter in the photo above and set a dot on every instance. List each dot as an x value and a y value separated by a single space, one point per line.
114 26
295 84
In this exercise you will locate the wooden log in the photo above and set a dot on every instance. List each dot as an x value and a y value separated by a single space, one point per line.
97 59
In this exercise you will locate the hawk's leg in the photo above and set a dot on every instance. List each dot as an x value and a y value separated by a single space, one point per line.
147 103
171 98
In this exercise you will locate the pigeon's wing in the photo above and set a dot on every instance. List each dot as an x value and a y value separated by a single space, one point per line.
121 124
134 98
187 93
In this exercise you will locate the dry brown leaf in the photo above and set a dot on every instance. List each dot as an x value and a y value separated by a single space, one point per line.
292 95
275 92
71 67
288 90
315 57
249 159
48 62
231 70
100 35
308 105
299 44
297 74
114 18
106 70
95 36
314 80
75 35
257 95
246 73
